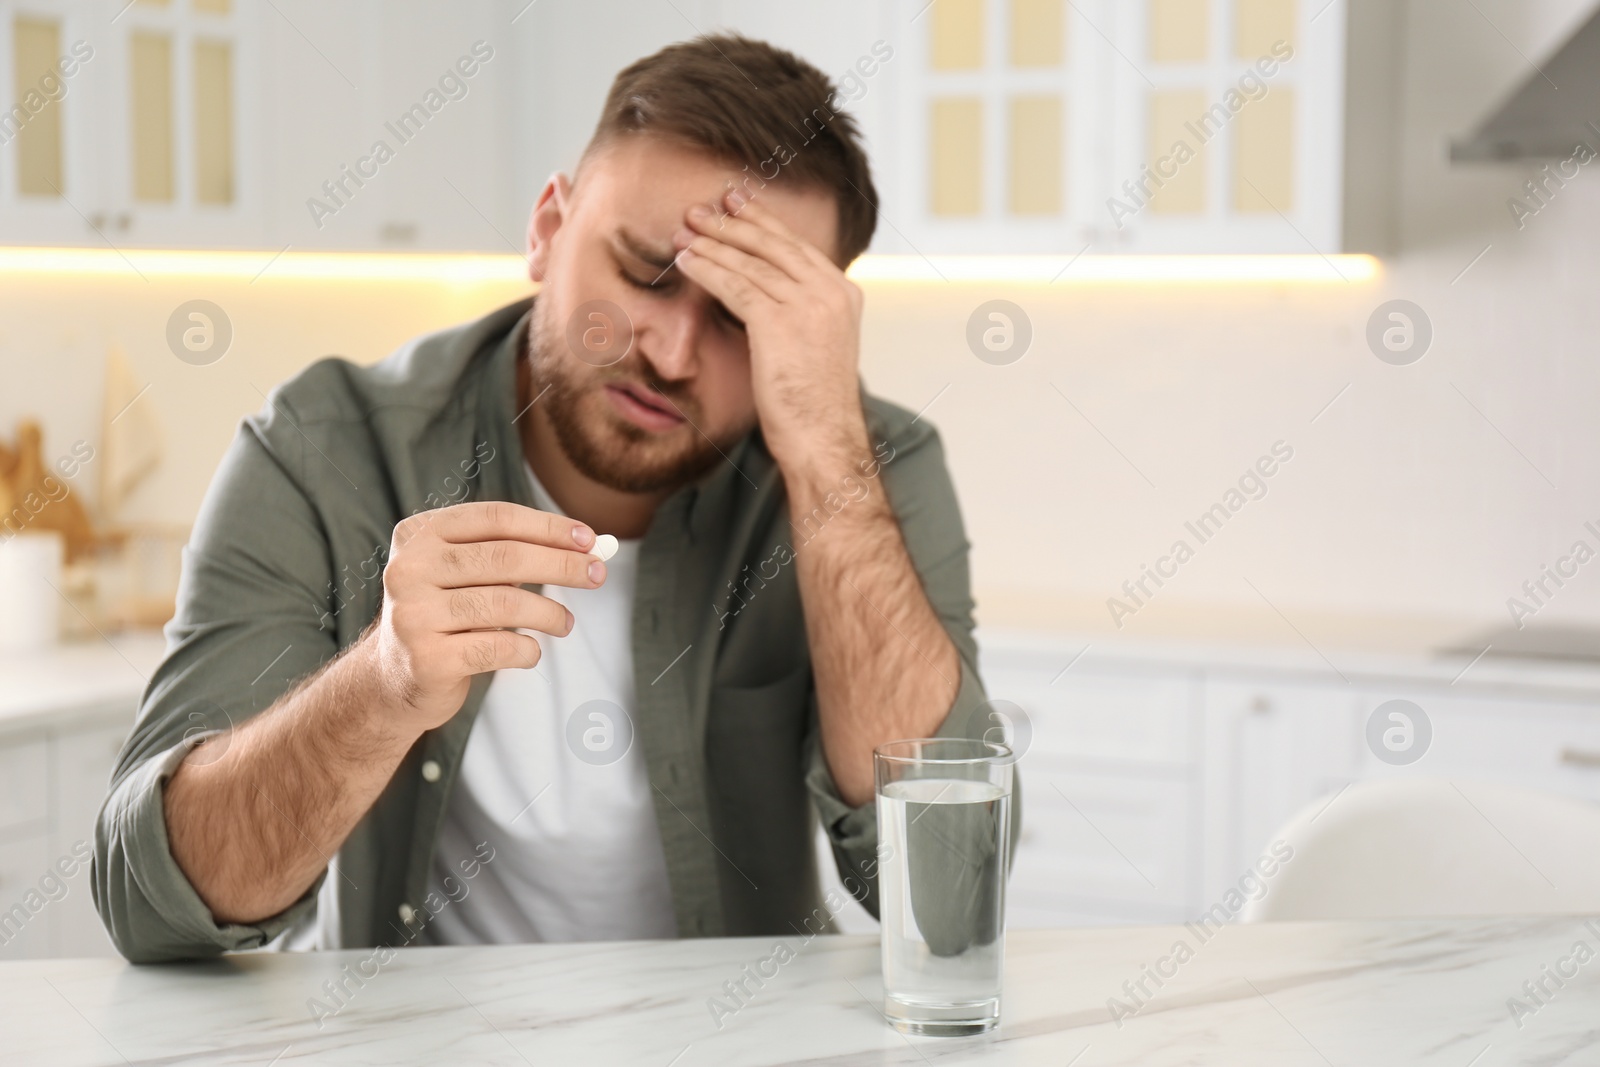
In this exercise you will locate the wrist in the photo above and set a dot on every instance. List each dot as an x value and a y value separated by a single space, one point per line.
377 715
820 456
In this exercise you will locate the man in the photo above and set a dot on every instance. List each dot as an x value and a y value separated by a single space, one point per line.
405 701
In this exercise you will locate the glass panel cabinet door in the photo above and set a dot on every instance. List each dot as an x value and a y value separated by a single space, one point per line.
1227 127
44 134
1119 126
985 155
132 123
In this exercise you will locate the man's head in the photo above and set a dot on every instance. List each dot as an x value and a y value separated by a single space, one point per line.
645 401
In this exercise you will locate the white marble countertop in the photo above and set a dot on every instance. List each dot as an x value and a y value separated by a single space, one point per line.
75 676
1339 663
1284 994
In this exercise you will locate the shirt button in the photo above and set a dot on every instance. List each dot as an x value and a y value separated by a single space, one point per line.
406 914
430 770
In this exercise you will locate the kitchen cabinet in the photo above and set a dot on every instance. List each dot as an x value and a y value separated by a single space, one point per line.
83 760
1116 844
1174 126
23 784
243 124
1272 747
1540 741
132 123
24 933
1109 770
64 713
1158 773
60 770
393 132
995 126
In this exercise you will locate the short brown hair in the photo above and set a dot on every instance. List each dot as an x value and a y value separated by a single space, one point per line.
754 105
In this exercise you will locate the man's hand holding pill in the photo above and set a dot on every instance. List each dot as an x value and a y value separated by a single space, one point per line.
454 601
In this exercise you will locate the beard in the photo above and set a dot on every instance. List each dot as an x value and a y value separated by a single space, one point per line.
599 442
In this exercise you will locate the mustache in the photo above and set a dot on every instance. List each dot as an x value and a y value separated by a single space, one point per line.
676 393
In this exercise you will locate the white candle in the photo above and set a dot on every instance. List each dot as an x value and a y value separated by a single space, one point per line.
30 574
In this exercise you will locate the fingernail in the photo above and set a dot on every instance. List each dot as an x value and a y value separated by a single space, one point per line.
699 212
582 536
597 572
683 237
571 622
736 200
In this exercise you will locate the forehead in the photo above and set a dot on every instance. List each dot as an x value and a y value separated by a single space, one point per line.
644 184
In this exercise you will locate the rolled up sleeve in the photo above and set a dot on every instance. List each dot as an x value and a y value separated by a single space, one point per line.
254 605
153 913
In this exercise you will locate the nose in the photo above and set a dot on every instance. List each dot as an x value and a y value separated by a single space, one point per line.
670 341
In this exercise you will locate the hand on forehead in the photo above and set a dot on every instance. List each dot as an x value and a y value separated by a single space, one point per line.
646 187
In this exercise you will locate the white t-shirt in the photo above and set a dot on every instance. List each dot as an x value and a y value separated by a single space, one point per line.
554 780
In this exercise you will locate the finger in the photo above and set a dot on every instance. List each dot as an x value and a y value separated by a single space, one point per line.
748 209
738 294
460 566
772 281
492 650
743 205
491 607
488 520
780 249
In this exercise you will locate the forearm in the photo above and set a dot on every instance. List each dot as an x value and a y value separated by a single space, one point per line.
252 826
884 665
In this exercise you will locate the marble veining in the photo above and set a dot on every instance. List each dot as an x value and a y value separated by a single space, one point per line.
1337 993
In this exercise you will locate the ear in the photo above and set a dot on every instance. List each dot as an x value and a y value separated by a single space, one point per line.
549 212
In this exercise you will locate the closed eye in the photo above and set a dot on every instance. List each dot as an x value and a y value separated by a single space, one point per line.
654 284
664 283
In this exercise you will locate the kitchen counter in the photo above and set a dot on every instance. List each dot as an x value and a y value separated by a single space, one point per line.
1412 993
69 678
48 683
1345 664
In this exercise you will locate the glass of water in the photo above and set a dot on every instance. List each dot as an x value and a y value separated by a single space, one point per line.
944 807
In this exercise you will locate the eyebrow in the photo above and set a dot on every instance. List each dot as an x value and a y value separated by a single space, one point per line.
650 255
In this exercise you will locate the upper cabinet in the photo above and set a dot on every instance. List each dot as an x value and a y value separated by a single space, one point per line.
995 126
262 124
393 131
130 123
1143 126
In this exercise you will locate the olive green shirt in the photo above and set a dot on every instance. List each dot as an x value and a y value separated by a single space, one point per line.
284 569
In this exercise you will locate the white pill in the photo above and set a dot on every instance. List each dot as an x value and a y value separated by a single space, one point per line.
605 546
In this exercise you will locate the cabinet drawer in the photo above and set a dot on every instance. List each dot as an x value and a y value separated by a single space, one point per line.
1111 718
84 760
24 930
1536 744
24 774
1090 837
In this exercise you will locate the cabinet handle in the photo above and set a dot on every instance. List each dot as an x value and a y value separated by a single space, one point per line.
1577 757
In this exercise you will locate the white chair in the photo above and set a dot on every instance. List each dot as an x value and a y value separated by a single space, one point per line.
1426 847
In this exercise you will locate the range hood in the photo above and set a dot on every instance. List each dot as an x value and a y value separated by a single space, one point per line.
1540 120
